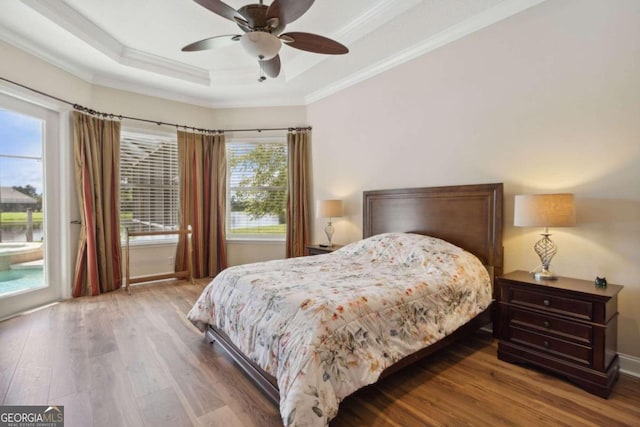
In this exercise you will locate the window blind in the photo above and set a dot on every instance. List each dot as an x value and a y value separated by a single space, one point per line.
149 186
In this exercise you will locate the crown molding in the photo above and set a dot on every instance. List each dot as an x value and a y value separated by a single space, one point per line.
150 90
451 34
374 17
77 24
167 67
202 101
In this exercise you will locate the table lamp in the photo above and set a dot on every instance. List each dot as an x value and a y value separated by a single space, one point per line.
329 209
545 210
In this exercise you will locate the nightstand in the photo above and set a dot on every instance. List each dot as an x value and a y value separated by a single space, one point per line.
567 326
319 250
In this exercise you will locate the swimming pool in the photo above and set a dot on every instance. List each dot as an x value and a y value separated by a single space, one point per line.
19 252
21 280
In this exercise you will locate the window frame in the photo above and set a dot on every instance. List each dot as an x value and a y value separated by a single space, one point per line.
256 238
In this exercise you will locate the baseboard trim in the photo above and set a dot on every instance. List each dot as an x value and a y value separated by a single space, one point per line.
31 310
629 365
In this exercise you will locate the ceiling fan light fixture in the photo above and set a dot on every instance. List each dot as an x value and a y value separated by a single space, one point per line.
260 45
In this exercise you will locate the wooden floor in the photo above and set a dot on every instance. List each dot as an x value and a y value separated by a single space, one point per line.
119 360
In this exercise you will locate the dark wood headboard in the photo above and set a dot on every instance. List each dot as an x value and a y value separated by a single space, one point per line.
469 216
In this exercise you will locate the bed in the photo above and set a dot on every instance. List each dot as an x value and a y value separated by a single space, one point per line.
310 331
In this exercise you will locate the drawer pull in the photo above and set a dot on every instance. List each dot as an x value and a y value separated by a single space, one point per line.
546 302
546 344
546 324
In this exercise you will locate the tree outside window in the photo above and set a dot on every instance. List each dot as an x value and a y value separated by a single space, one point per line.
257 189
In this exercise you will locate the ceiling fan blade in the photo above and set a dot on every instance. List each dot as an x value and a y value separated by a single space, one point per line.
221 8
271 67
314 43
288 10
274 11
212 43
273 19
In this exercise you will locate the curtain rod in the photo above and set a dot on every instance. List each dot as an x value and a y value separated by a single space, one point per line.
92 112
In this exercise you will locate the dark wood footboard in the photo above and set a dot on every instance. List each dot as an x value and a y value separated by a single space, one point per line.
267 383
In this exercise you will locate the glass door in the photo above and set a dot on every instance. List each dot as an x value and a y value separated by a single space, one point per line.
27 133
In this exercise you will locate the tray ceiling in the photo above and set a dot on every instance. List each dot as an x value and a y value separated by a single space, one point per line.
135 45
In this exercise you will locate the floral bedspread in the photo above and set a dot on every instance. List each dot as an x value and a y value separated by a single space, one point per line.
327 325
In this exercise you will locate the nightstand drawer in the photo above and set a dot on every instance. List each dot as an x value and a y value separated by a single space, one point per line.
551 303
556 347
545 324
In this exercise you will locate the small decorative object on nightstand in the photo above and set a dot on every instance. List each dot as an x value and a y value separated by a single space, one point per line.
601 282
567 326
321 249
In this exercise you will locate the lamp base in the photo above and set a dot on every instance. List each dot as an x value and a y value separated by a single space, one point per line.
546 249
544 275
328 230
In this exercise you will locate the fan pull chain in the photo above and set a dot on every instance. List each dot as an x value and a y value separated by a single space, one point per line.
262 76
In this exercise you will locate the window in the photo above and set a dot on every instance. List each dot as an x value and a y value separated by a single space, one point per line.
257 187
149 186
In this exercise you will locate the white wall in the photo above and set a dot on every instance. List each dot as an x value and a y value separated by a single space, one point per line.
547 101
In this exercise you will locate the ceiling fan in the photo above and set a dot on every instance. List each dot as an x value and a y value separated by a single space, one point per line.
263 26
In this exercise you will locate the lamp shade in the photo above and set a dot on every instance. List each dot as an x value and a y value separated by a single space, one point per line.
328 208
544 210
261 45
